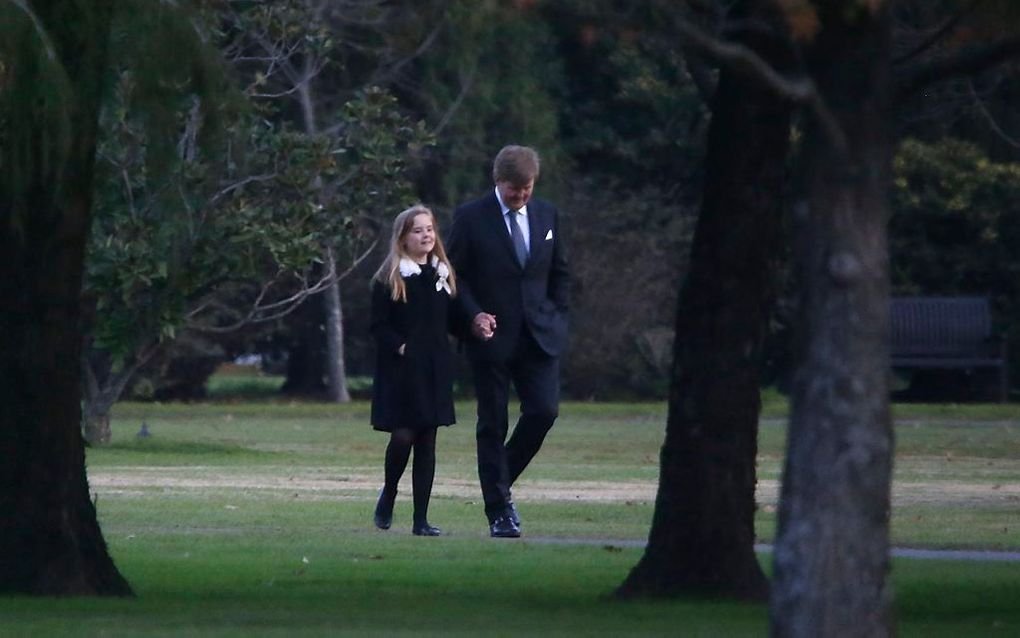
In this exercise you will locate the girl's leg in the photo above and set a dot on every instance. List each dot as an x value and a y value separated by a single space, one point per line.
423 472
397 453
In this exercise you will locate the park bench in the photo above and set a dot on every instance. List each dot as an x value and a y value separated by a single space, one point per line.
946 333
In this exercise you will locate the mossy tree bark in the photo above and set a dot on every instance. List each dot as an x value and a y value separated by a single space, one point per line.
50 540
702 535
831 557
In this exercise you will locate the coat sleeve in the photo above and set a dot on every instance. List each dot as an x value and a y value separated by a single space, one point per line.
458 249
383 322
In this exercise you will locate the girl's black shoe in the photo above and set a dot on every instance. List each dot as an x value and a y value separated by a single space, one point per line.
384 510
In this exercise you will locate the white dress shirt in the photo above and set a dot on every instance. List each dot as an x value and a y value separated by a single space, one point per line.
522 220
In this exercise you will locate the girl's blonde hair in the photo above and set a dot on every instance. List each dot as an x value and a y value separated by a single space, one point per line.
389 270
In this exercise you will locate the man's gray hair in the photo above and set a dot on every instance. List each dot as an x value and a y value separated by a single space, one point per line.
516 164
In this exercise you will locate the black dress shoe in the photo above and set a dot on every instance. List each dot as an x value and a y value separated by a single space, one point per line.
384 510
503 527
511 511
424 529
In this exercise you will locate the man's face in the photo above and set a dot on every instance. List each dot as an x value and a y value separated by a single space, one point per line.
515 196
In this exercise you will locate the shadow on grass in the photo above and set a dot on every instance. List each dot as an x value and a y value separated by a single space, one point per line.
185 448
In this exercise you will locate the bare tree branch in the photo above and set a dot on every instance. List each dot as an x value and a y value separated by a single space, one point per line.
129 192
947 27
983 110
382 76
259 313
466 84
236 185
357 260
967 62
742 59
44 36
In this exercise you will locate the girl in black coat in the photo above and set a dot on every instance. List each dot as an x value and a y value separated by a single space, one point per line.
412 391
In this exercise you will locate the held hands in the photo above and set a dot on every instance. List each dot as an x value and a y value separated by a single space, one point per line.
483 325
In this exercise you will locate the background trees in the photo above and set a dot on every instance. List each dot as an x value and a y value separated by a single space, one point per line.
621 130
593 82
297 209
955 229
831 555
617 108
213 213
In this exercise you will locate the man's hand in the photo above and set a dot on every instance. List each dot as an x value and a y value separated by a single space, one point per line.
483 325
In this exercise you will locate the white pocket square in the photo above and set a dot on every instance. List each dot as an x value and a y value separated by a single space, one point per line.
548 235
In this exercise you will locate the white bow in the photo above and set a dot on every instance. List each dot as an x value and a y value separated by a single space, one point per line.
443 272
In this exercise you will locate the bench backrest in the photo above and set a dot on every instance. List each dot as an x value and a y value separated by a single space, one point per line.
936 326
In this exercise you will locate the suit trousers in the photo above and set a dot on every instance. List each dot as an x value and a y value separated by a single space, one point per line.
536 378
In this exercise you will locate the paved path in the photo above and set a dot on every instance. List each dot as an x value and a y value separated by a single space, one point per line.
899 552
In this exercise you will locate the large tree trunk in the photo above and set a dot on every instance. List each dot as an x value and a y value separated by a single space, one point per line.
50 541
702 536
831 557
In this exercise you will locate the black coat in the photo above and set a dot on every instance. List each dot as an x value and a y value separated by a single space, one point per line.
490 279
413 390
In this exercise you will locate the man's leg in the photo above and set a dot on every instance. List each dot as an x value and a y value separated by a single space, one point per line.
536 377
492 387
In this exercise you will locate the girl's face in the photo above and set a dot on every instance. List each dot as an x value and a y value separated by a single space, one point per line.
421 238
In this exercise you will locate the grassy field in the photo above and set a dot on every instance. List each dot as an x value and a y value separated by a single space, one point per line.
255 517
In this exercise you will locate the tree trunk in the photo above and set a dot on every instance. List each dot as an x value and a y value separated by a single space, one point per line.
702 535
50 541
97 428
336 372
306 348
831 557
102 388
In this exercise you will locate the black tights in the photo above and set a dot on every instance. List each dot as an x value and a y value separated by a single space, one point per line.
423 470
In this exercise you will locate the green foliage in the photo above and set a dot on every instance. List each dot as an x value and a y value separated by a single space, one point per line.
599 88
603 93
489 79
956 222
259 207
208 198
955 228
628 107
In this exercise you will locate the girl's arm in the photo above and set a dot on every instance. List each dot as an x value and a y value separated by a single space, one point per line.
383 324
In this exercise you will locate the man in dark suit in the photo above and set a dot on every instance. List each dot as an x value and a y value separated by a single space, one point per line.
513 281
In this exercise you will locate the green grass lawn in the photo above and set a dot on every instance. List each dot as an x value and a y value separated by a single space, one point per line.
255 518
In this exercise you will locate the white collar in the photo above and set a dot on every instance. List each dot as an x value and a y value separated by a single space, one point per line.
506 209
409 268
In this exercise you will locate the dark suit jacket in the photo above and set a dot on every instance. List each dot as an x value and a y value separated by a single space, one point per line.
489 278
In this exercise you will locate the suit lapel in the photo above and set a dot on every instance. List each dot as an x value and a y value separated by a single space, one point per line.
495 218
538 228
